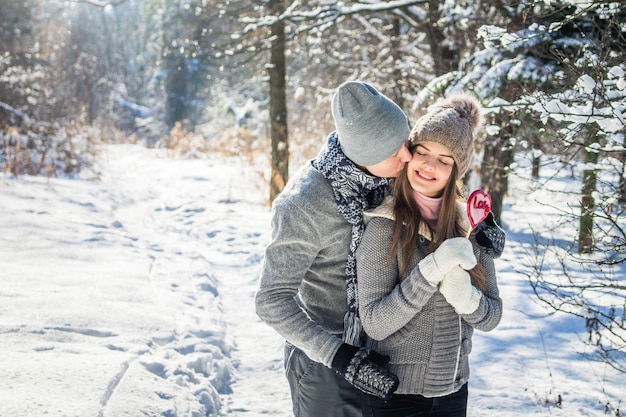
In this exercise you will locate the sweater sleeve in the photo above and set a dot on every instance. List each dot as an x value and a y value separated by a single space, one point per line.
293 248
386 303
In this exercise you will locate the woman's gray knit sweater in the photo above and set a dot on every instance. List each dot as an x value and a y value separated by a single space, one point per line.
410 320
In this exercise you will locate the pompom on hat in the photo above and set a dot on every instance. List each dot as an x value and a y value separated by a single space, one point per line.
370 126
453 123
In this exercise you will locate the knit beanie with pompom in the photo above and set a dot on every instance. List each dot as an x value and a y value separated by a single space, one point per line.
453 123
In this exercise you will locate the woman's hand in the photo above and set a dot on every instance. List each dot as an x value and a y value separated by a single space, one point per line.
457 251
457 287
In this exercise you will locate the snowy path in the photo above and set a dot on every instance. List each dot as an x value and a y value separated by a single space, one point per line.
226 241
133 295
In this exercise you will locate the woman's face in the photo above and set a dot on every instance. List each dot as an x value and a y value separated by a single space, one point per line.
429 170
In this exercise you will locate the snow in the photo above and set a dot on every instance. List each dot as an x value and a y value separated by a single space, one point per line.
131 294
586 83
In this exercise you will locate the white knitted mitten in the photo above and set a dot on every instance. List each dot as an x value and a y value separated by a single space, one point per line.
457 287
456 251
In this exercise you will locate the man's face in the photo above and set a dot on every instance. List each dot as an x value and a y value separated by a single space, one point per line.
392 166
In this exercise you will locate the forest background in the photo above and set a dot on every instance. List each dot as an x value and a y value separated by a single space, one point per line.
254 79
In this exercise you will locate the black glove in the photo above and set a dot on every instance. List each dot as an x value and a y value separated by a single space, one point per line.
364 368
490 236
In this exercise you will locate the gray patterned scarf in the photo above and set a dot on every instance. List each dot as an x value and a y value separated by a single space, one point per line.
355 191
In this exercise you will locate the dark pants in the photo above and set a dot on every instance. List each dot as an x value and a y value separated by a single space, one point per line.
317 391
452 405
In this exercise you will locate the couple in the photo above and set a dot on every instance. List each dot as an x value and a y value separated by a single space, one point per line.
396 341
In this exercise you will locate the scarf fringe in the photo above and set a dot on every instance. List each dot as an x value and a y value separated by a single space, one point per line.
352 329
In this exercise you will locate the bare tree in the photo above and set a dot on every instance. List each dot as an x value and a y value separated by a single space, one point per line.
278 104
300 20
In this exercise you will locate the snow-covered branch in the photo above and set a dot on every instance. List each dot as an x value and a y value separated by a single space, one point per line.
327 13
102 4
14 111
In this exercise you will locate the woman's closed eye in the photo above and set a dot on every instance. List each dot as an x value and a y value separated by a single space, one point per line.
442 161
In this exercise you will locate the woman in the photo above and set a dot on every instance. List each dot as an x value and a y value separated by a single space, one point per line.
423 286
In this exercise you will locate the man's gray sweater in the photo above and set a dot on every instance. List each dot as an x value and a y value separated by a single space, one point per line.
410 320
302 290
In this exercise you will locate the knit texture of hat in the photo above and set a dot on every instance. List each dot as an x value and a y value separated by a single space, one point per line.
370 126
453 124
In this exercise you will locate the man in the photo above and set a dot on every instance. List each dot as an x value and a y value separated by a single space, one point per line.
307 290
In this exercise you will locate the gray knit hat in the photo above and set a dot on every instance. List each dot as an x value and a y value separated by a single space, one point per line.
370 126
452 123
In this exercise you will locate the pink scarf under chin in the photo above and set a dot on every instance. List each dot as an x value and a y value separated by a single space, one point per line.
429 208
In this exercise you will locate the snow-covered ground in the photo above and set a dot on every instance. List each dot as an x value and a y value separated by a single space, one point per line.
131 295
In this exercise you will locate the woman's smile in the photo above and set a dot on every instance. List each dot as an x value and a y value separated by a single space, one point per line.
424 176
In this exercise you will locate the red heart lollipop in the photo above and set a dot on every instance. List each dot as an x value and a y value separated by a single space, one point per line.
478 207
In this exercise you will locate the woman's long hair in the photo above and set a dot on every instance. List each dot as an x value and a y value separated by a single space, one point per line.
408 220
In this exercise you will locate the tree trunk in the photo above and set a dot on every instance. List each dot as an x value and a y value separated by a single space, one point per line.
442 48
278 105
398 81
622 178
535 142
494 170
176 90
587 202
